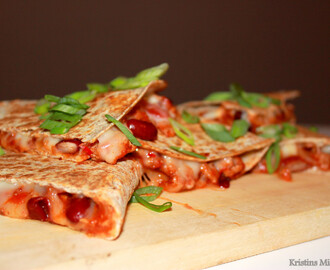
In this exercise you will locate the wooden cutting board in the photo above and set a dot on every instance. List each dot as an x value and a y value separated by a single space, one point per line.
258 213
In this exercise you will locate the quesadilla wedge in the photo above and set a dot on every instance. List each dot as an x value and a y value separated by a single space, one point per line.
306 150
20 127
90 197
205 161
227 110
292 152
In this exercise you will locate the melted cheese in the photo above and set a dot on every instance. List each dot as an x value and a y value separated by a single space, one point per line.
113 145
23 141
288 150
6 191
326 149
51 141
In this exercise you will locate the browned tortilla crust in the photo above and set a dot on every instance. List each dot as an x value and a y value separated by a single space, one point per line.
204 145
18 116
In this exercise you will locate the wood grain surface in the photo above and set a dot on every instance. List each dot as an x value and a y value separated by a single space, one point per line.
258 213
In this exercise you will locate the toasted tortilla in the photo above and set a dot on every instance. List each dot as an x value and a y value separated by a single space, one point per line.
205 145
252 158
209 109
283 95
18 116
305 135
110 186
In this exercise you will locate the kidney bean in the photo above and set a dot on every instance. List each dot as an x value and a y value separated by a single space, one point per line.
238 115
38 208
224 182
142 129
77 208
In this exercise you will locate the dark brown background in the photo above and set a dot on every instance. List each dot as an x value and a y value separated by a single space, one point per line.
58 46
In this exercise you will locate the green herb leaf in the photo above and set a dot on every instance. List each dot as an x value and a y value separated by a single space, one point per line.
153 207
289 130
61 129
2 152
145 200
241 101
269 136
52 98
219 96
257 100
66 113
275 101
276 131
66 100
182 132
72 102
217 132
183 151
239 95
83 96
270 131
42 107
130 83
236 89
156 191
251 99
56 127
124 130
118 82
141 79
98 87
239 128
314 129
273 156
188 118
50 124
67 109
74 119
152 73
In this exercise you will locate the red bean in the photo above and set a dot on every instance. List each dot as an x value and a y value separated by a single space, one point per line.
142 129
238 115
224 182
38 208
77 208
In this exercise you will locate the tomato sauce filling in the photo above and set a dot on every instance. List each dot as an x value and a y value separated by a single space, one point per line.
303 157
56 206
176 175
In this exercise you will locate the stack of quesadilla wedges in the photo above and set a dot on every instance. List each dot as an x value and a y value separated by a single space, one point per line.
49 177
84 178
